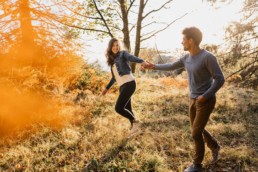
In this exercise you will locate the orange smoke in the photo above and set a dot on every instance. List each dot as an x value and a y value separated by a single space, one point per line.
18 110
32 96
37 62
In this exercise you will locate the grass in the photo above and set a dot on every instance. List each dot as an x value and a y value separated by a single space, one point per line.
96 140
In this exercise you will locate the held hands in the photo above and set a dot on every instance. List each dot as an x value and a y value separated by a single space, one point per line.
147 65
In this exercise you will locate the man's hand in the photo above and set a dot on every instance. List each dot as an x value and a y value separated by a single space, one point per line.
104 92
201 99
144 64
147 65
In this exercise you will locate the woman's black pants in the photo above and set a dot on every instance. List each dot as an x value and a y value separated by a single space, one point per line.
123 104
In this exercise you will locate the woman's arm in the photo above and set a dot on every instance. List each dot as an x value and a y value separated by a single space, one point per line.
131 58
111 82
109 85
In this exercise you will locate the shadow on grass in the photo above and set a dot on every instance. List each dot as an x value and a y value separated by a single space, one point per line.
96 165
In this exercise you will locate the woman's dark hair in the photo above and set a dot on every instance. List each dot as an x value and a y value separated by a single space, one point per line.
194 33
109 54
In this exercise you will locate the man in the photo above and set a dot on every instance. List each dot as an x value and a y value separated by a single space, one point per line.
205 78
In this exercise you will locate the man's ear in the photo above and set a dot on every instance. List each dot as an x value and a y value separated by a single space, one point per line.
191 41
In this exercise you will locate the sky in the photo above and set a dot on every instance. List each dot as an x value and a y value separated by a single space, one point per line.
211 21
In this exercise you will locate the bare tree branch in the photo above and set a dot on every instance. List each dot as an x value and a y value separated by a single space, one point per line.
226 53
132 27
8 21
112 26
117 2
145 3
134 12
168 25
118 13
249 64
88 29
130 6
47 6
74 26
248 39
152 11
94 18
154 22
109 31
159 53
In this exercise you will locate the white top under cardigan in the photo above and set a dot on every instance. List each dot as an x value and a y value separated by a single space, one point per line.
122 79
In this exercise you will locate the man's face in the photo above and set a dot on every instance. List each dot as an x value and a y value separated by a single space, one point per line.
186 43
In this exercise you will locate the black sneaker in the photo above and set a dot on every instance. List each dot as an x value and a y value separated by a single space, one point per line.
194 168
215 154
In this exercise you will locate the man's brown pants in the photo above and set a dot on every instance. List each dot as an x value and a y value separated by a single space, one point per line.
199 116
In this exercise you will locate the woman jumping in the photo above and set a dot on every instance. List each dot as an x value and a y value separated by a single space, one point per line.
121 73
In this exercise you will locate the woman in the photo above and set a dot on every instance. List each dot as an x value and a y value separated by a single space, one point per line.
121 73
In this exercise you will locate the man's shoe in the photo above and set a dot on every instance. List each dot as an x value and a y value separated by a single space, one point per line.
215 154
194 168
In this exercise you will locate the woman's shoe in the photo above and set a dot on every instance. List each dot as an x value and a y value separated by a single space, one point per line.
135 125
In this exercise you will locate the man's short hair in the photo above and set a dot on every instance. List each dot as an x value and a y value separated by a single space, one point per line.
194 33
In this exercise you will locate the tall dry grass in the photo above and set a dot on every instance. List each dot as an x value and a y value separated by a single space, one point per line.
99 143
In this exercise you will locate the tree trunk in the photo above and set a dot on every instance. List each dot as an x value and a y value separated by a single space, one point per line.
27 49
125 29
138 33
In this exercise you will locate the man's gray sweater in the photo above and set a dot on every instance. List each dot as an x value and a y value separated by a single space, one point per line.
204 74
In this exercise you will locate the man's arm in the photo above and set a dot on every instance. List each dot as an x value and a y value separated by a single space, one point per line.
216 73
169 66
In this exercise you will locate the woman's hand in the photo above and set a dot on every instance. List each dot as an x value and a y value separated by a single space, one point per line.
104 92
147 65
